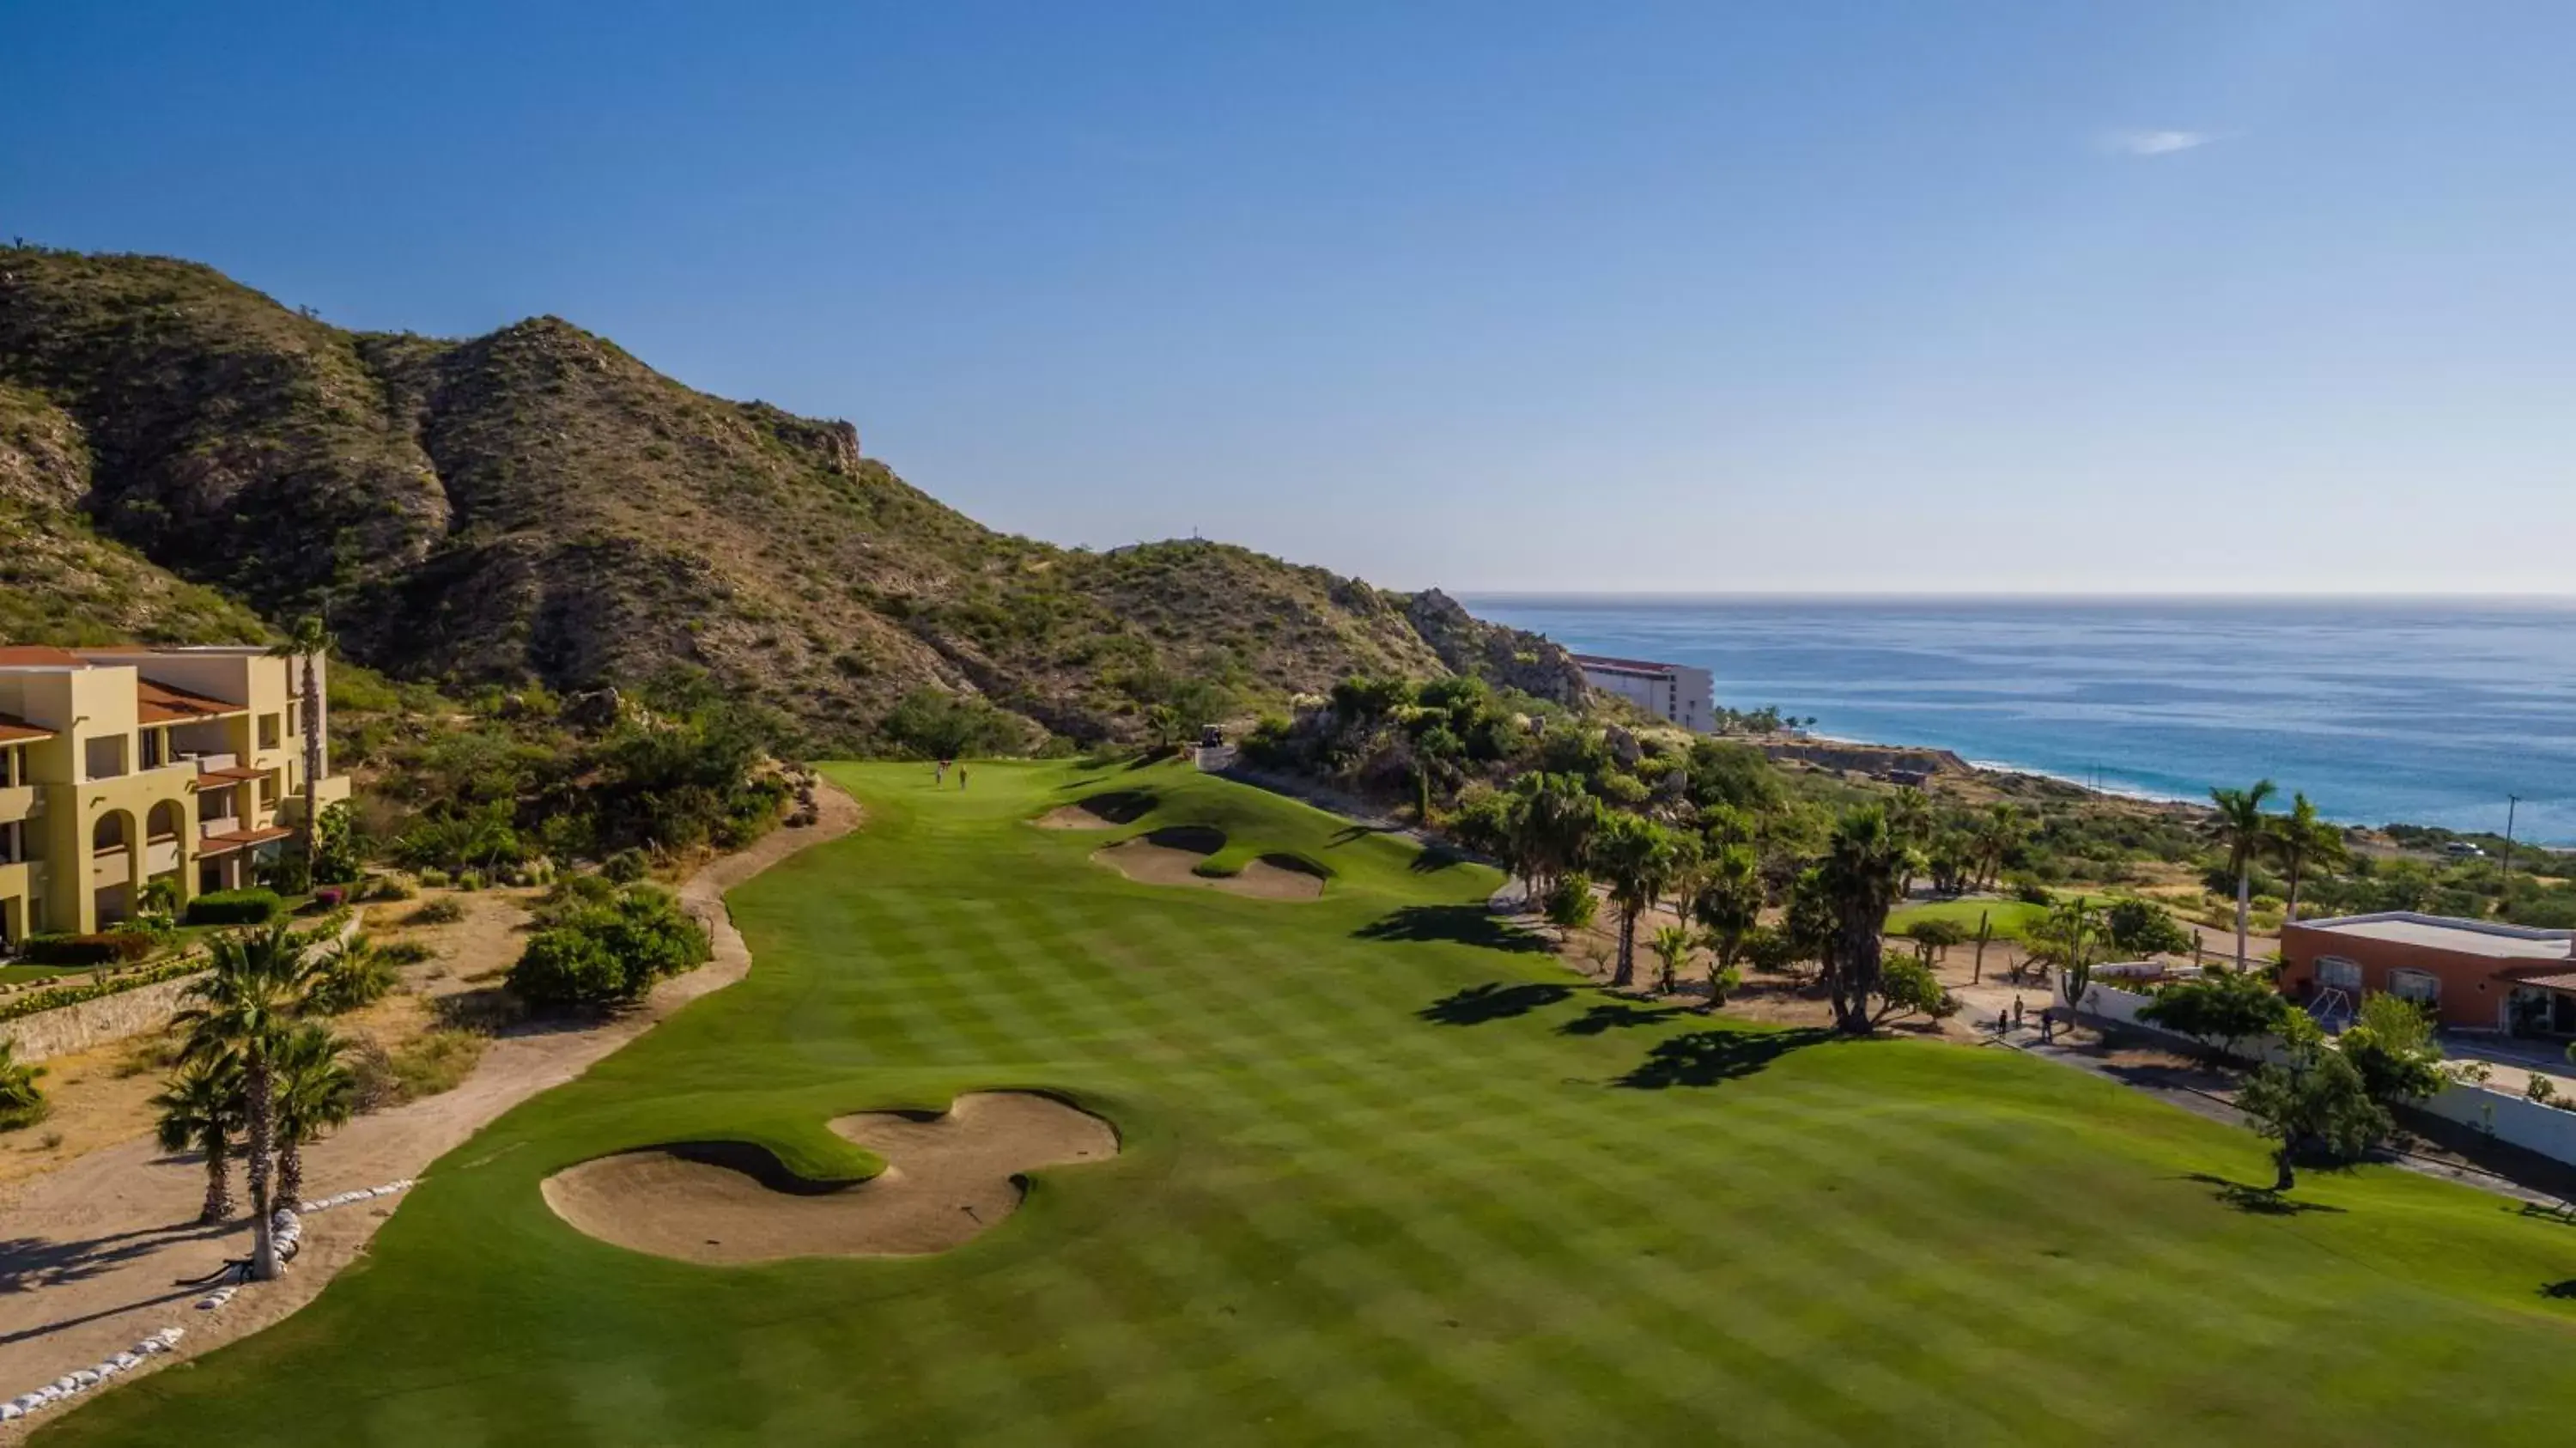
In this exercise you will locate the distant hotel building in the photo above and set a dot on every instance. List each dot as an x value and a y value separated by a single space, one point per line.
1676 693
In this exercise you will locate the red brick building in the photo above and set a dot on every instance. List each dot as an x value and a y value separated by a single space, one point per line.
2477 974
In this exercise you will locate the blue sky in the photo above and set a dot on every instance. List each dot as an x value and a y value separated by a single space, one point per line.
1825 296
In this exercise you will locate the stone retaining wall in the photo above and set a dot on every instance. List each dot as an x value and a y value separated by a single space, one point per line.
67 1029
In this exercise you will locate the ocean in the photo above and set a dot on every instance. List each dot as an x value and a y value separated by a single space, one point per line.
2418 712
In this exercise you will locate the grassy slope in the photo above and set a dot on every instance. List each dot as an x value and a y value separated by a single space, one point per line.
2013 919
1337 1219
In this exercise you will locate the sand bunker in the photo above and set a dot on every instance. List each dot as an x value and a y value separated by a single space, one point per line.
948 1177
1099 812
1172 857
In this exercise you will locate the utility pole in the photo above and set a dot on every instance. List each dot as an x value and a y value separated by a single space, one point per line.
2511 802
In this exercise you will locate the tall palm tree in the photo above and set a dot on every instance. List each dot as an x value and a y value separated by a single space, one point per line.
2300 840
1554 821
2242 827
249 998
1860 877
1996 835
200 1110
313 1096
309 642
1638 859
1728 904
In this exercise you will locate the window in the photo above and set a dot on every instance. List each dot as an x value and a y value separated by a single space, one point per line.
2420 986
9 766
2336 973
268 791
13 843
294 719
105 756
156 748
268 731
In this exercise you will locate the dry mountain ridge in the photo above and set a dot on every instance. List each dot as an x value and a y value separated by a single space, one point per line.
538 504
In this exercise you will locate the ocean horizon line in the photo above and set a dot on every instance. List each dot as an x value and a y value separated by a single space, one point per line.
1882 597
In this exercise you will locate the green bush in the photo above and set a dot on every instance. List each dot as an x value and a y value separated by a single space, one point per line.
609 954
445 911
116 947
1571 905
626 866
235 907
56 997
2142 927
22 1101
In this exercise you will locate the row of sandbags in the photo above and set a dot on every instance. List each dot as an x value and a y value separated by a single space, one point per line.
72 1385
343 1199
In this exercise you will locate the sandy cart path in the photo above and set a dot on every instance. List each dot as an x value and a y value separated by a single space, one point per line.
88 1254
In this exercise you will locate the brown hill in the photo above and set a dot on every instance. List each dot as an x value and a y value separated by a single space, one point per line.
538 504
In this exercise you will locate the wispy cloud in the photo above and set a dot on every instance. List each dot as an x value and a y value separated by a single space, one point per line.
2156 143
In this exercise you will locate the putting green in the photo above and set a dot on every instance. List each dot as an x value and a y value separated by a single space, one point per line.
1383 1177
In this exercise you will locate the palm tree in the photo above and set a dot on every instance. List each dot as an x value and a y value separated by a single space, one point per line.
1728 904
1672 946
1996 835
1859 878
309 642
1554 820
1638 859
251 993
200 1110
2243 829
313 1086
2299 839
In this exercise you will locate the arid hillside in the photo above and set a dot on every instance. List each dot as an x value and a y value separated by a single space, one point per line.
536 504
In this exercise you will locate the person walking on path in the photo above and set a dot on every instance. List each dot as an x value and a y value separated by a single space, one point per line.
2016 1013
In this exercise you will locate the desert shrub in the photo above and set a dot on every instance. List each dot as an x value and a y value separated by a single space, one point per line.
351 974
571 896
436 1062
22 1101
931 724
431 878
384 887
2142 927
610 954
444 911
1908 987
2030 890
1772 950
626 866
235 907
115 947
405 952
1571 903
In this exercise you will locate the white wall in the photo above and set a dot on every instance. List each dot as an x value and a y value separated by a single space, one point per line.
2509 1118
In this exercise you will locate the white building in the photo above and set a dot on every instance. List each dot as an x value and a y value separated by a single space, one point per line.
1676 693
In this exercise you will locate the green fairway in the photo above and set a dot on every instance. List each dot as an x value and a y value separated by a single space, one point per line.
2011 919
1386 1176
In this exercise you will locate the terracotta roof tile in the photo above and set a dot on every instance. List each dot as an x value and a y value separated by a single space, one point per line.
161 704
43 655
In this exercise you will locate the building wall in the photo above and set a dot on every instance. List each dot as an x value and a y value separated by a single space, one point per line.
1680 696
2470 995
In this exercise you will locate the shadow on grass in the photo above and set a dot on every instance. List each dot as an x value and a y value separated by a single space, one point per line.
1492 1001
1459 924
1615 1016
2564 1214
1434 859
2563 1290
1348 833
2258 1201
1707 1058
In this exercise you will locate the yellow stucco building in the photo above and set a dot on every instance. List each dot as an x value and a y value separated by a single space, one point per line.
123 766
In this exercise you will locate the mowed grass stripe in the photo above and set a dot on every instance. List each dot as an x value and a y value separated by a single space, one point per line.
1335 1220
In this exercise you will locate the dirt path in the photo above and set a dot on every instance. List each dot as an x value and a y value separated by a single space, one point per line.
88 1254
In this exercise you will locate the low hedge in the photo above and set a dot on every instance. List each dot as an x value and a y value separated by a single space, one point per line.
106 948
235 907
56 997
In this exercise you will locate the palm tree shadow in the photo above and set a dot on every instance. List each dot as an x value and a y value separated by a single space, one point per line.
1616 1016
2257 1201
2562 1290
1434 858
1458 924
1707 1058
1491 1001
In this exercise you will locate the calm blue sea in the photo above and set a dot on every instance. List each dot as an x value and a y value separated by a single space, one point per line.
2420 712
